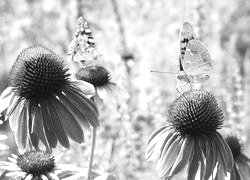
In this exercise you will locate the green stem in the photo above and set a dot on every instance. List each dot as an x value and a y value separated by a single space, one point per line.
93 139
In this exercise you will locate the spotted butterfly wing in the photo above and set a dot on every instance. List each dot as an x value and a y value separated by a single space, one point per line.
194 60
82 48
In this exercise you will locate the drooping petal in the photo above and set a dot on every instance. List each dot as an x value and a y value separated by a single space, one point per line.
116 92
21 131
5 98
243 169
225 152
58 127
38 125
85 106
187 152
70 124
194 162
170 156
48 125
164 149
82 119
211 158
85 87
13 118
156 144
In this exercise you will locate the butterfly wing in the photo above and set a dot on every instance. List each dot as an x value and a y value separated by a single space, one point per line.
82 47
195 61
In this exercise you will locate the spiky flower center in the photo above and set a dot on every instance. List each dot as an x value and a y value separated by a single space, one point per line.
235 145
96 75
196 112
38 73
36 163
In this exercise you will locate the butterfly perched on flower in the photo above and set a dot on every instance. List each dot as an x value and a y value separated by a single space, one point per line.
82 47
194 61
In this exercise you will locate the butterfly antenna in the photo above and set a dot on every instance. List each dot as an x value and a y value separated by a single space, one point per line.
164 72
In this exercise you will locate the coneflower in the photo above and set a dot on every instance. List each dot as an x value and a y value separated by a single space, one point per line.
43 103
241 168
100 78
35 165
191 138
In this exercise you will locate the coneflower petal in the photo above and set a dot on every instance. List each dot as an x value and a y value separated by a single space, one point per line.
13 118
194 162
169 158
77 91
28 177
86 88
21 132
43 177
210 158
234 175
5 98
243 169
168 143
202 161
156 144
59 129
70 124
155 133
38 126
74 110
187 152
48 125
225 152
113 90
12 106
84 106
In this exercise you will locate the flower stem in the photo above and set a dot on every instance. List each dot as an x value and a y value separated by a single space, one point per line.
93 138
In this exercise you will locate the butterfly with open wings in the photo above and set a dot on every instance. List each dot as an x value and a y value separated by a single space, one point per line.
195 61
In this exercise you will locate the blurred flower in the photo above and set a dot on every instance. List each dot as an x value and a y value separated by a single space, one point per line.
191 138
100 78
241 168
43 103
33 165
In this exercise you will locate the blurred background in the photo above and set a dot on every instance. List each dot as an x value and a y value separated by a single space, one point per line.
135 37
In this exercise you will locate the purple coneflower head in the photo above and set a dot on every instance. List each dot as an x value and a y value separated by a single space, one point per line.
196 113
35 165
241 168
191 138
43 104
100 78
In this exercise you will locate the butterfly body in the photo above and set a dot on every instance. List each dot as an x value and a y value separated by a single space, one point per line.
194 61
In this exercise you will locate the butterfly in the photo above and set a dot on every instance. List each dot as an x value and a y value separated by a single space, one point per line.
82 48
195 61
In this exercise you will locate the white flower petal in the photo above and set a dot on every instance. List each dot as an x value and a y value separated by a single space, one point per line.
43 177
29 177
5 98
87 88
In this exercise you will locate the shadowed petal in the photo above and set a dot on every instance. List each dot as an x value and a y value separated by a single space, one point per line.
59 129
211 158
38 125
82 119
187 153
21 131
225 152
116 92
243 170
194 162
48 125
70 124
85 106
